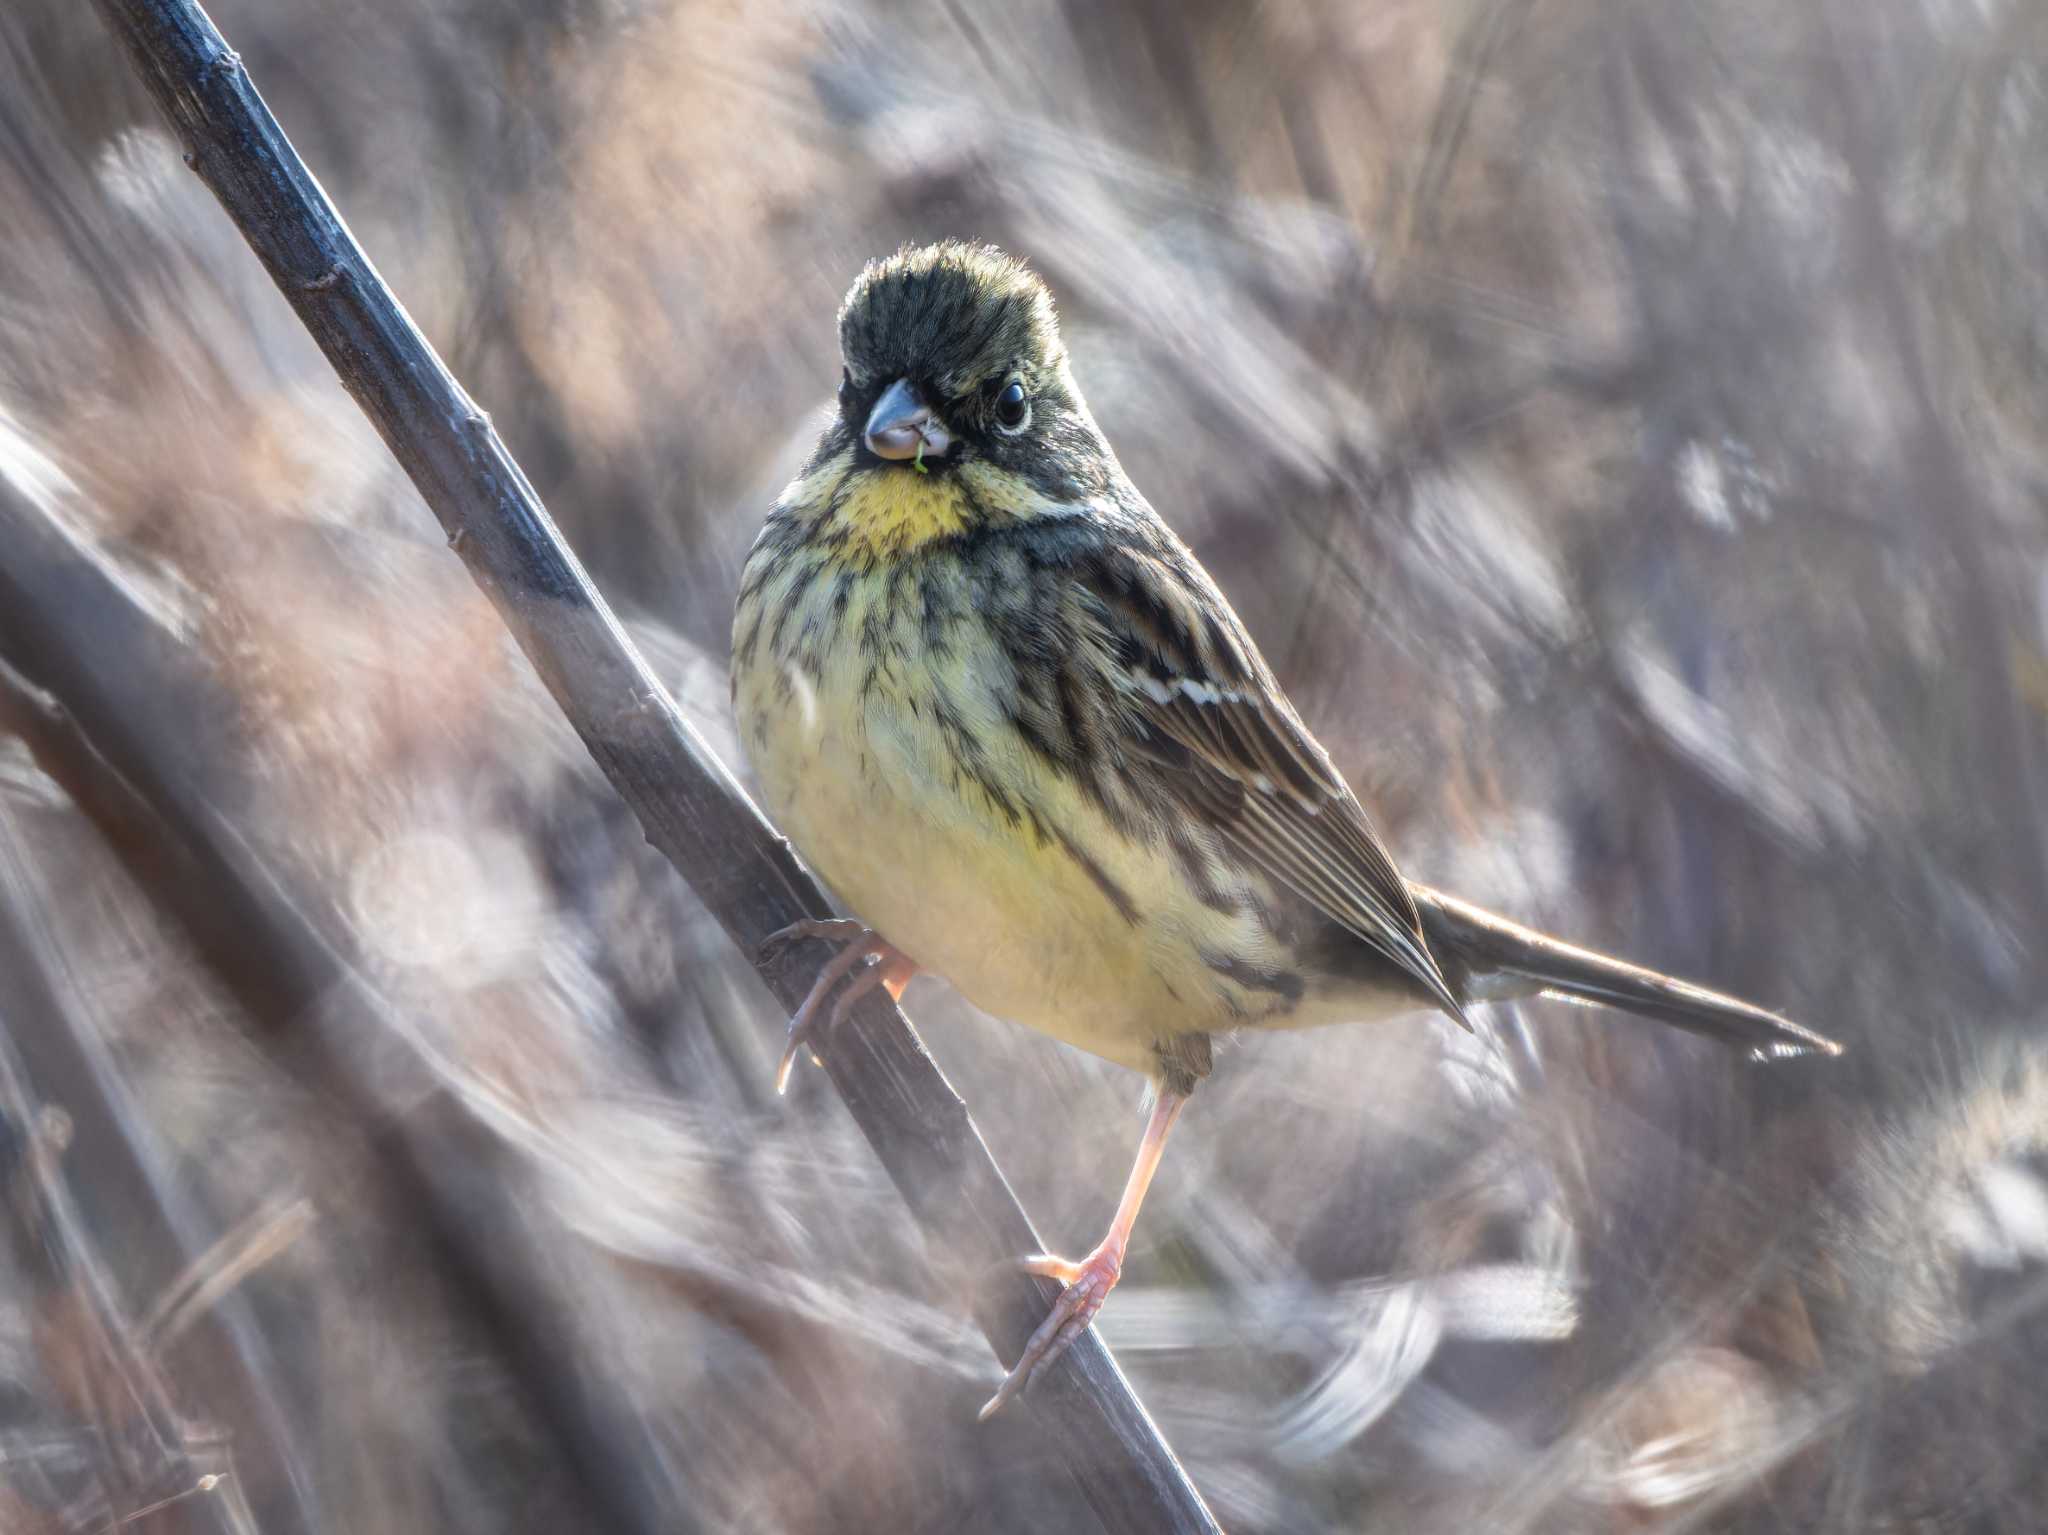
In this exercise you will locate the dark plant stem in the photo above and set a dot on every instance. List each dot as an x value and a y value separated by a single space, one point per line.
688 803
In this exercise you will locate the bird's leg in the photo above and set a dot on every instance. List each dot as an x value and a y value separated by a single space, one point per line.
879 964
1089 1281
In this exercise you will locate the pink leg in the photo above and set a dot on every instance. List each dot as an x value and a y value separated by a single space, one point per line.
891 969
1089 1281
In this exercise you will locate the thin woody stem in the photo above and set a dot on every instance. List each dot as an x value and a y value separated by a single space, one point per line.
689 803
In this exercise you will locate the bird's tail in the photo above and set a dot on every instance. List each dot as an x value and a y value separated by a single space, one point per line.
1488 957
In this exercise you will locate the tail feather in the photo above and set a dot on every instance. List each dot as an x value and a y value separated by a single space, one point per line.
1488 957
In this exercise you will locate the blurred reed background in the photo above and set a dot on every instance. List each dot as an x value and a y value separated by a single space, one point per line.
1624 425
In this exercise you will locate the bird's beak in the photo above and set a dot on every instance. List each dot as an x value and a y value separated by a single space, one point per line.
902 426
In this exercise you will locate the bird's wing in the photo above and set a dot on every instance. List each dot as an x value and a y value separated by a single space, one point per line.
1202 706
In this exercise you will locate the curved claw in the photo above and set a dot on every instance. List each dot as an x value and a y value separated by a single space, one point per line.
1088 1284
890 968
804 1022
832 929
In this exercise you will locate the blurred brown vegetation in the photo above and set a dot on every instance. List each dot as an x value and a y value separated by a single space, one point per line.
1625 426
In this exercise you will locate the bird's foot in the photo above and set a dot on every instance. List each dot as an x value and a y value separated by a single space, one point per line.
831 929
1088 1284
867 958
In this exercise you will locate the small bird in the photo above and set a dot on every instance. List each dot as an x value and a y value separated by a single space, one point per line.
1013 724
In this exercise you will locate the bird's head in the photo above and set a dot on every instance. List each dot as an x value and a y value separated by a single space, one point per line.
956 406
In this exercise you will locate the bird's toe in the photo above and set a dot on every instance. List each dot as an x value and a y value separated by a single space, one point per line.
1088 1284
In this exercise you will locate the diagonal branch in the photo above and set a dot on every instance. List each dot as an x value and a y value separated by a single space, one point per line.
689 804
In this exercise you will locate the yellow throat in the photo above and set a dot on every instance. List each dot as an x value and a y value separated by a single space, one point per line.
891 511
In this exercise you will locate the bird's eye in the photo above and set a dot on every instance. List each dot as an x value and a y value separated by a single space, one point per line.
1012 409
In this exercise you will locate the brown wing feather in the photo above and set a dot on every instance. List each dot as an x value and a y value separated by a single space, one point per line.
1207 709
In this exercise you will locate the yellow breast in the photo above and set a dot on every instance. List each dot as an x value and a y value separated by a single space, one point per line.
895 767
